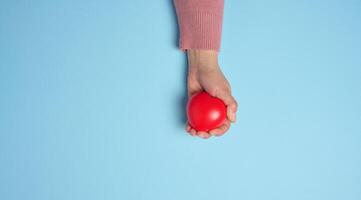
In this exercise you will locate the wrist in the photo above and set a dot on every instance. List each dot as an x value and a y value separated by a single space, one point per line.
202 59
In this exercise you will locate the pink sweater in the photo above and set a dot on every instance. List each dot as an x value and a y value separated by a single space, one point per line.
200 23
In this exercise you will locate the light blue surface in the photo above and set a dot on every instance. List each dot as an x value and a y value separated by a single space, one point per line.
91 103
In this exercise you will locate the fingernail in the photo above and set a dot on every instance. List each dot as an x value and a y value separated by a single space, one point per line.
233 117
203 136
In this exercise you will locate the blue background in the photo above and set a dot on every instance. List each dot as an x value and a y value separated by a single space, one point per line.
92 102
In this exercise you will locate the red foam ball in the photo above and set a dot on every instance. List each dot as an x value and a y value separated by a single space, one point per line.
206 112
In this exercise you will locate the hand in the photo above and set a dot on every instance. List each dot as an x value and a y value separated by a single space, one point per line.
204 74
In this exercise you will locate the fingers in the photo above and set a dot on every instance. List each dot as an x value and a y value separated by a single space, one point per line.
220 130
231 104
203 134
200 134
190 130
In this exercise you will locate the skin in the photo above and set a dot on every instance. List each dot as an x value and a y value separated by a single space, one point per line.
204 73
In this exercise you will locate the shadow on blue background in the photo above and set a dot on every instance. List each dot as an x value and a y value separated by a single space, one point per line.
92 103
182 101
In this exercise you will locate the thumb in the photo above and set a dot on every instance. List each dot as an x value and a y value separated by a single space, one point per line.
231 104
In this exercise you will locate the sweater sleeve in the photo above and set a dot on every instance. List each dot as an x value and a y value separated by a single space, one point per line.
200 23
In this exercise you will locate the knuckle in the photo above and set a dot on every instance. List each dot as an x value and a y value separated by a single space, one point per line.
235 104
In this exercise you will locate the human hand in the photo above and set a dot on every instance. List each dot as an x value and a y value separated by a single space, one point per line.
205 74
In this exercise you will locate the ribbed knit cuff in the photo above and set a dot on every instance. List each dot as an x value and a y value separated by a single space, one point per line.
200 30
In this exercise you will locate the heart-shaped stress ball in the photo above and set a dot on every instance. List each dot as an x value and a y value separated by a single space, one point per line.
206 112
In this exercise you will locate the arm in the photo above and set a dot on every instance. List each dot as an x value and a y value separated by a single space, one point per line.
200 25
